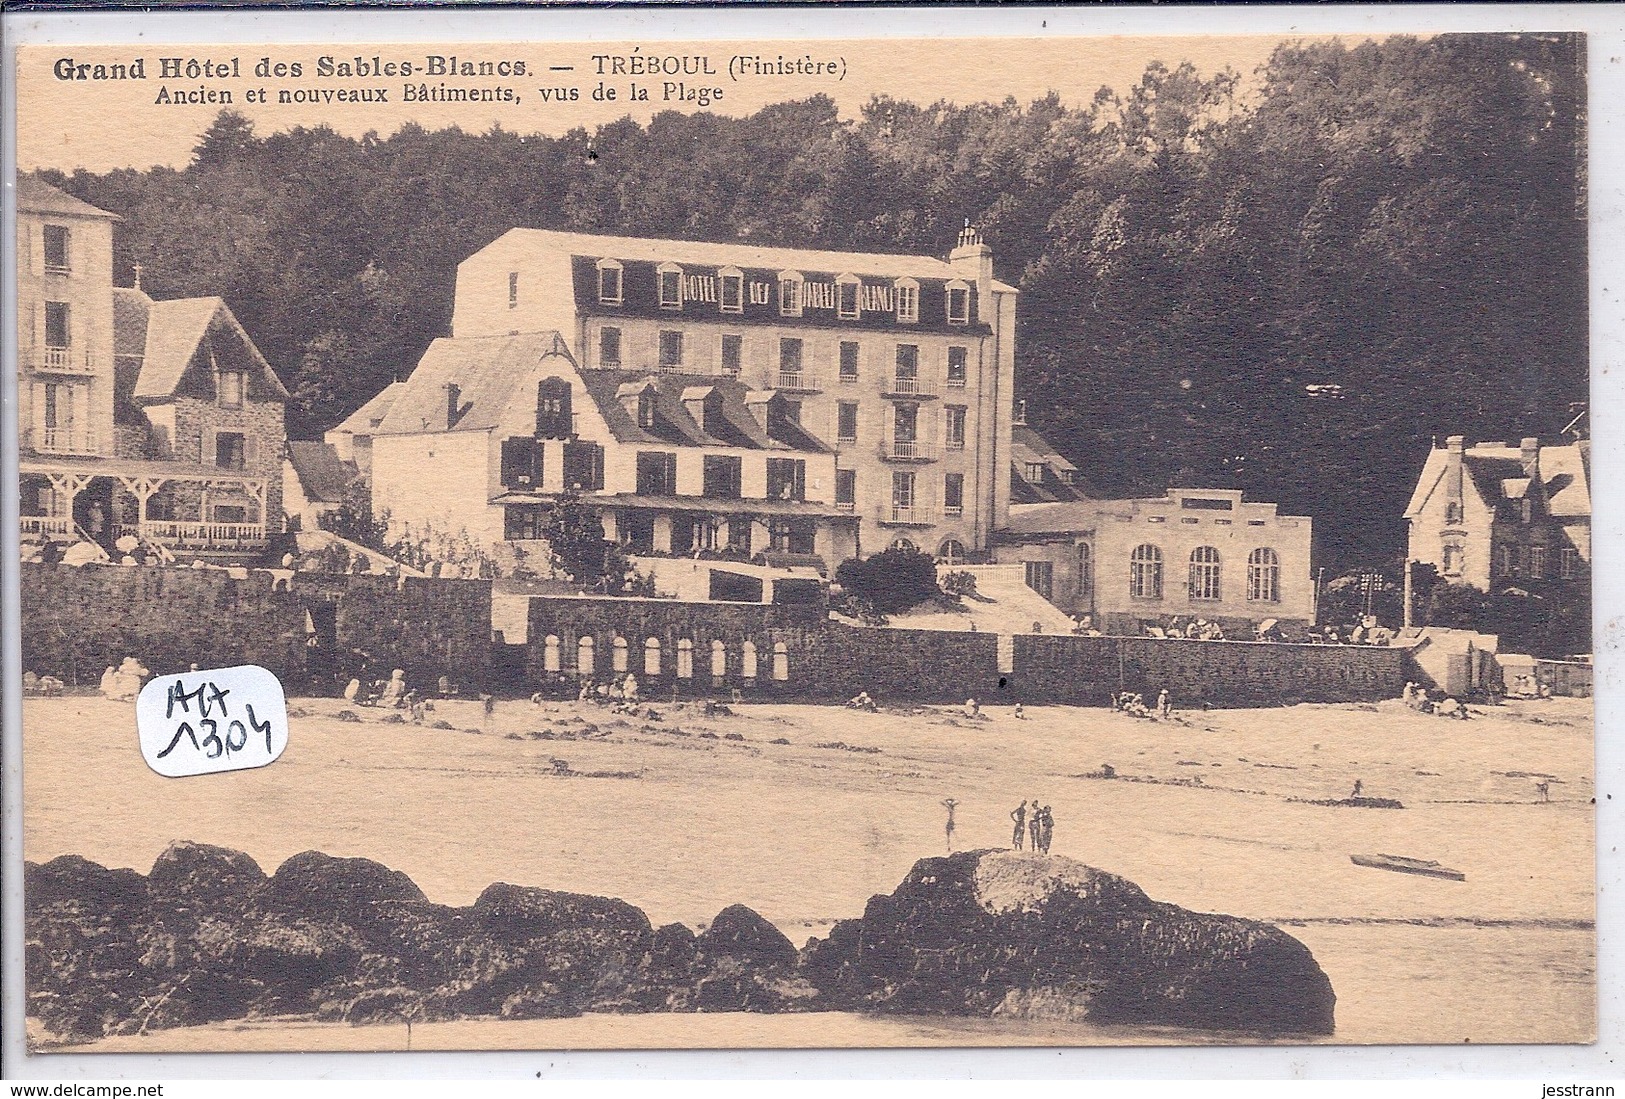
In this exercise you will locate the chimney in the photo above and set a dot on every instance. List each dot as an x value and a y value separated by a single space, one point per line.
1456 447
1529 451
1020 417
454 396
974 262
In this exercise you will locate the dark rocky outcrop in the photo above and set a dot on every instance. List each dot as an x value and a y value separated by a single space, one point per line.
998 932
207 936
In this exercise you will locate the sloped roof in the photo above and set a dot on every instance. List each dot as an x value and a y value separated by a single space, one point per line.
1497 473
675 425
1432 471
485 369
1055 518
1567 473
165 335
35 196
884 264
322 475
365 420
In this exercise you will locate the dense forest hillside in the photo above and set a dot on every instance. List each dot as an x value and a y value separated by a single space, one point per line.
1288 291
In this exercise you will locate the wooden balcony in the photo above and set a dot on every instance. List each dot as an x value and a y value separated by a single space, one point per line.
64 440
64 360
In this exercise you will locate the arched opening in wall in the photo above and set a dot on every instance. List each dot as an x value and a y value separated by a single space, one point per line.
747 661
550 653
781 662
951 552
1264 576
719 663
584 656
651 656
1204 578
685 659
901 543
618 654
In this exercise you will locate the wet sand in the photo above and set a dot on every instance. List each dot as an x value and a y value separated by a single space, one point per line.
1211 811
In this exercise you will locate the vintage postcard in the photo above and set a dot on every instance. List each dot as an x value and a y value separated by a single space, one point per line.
874 542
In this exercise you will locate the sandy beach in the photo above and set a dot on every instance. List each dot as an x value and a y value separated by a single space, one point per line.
803 812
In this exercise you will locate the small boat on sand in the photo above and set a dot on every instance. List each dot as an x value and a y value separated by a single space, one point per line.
1402 865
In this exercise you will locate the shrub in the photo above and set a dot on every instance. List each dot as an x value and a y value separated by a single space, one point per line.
891 581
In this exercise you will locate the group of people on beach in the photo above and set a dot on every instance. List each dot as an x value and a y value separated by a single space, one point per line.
1416 697
1034 824
1133 703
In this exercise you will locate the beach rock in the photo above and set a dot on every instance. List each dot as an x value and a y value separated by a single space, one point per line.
200 875
739 933
320 886
73 879
999 932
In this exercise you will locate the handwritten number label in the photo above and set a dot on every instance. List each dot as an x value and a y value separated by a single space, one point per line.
205 722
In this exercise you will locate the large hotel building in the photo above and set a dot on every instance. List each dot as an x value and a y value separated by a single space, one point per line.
716 399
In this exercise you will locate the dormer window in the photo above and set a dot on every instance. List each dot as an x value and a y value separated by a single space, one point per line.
609 282
731 297
1452 511
671 286
908 301
1034 473
958 303
789 294
848 297
646 408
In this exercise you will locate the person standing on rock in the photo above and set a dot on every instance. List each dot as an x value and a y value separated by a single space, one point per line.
1019 815
1046 829
1034 826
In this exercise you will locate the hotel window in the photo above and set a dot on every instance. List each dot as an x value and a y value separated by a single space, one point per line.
671 350
513 289
902 497
1537 562
849 361
1033 473
953 427
1086 568
609 347
1526 509
1452 558
646 408
908 301
789 357
1506 560
958 303
846 486
1145 572
229 388
847 297
786 479
56 324
907 378
1568 562
671 286
521 463
1264 576
846 422
733 354
230 450
790 294
583 467
953 494
732 297
958 360
1204 578
657 473
721 477
609 282
1041 577
1452 511
57 258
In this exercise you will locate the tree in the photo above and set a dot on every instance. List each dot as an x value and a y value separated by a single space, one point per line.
574 534
354 520
891 581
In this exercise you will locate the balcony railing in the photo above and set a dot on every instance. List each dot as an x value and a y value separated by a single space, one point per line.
795 381
907 450
953 510
908 515
45 524
197 535
64 360
64 440
904 386
845 505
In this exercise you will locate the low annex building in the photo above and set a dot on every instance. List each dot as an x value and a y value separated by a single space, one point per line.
1130 565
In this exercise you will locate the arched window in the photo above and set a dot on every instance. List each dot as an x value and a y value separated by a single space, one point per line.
951 552
609 282
747 660
670 278
790 293
651 656
1204 583
1264 576
553 418
719 660
902 544
781 662
1145 572
618 656
550 653
584 656
685 659
848 297
1452 511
